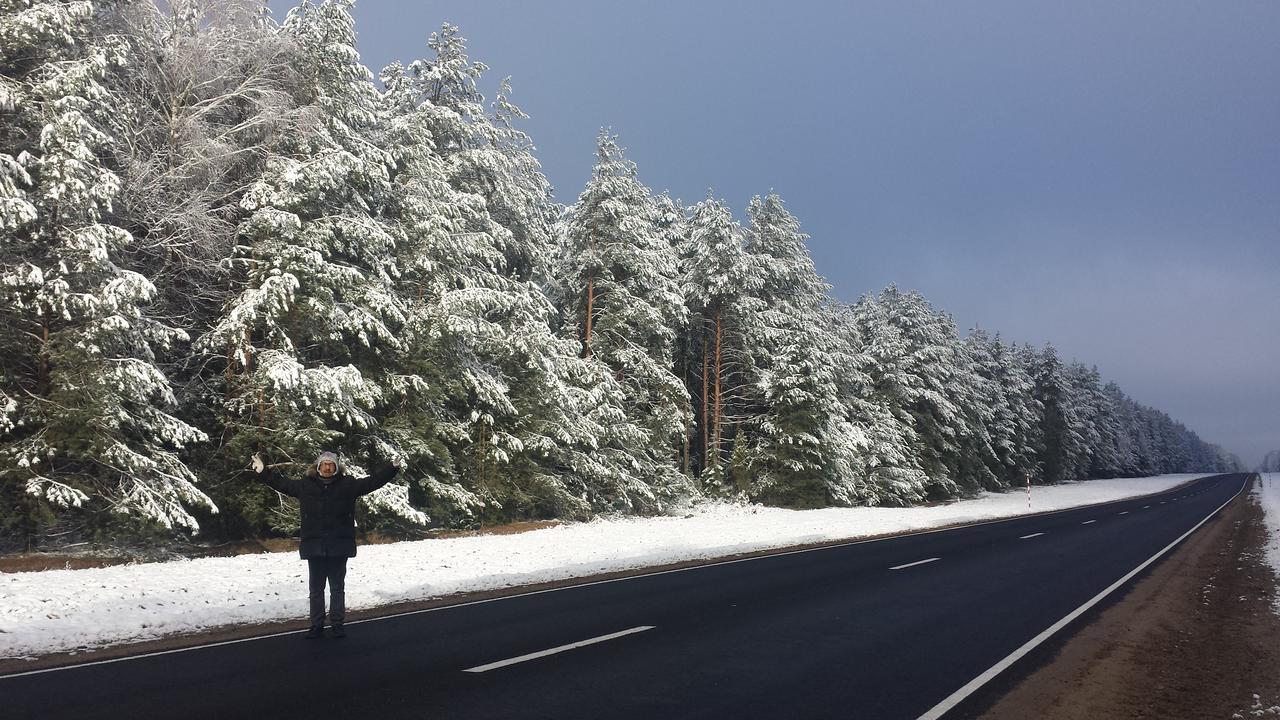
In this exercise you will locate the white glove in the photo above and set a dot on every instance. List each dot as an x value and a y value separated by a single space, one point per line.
257 463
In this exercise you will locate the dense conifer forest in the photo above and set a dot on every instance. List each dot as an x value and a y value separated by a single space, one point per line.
220 234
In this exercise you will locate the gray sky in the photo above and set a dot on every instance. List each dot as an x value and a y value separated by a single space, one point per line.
1102 175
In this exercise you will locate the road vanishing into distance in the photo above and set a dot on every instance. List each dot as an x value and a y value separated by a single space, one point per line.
906 627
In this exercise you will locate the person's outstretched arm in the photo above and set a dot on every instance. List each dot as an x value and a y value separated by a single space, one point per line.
270 477
379 477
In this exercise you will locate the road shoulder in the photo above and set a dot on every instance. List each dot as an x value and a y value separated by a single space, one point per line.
1196 637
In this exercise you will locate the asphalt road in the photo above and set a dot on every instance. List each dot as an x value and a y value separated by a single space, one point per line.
882 629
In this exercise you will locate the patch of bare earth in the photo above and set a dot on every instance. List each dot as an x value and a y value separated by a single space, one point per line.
1196 638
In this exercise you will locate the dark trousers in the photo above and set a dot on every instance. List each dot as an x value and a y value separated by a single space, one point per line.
334 571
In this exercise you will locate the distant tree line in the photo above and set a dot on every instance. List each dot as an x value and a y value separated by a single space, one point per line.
1270 463
221 236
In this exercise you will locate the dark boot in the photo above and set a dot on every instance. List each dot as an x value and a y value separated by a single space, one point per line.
336 630
316 631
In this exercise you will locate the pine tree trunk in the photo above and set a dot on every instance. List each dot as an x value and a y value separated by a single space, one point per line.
687 433
231 370
480 460
706 435
482 456
248 355
716 418
591 298
29 525
262 416
245 367
44 357
691 421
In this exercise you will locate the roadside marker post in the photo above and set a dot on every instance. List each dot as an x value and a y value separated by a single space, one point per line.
1028 491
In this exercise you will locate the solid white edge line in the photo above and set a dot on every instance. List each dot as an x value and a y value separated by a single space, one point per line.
913 564
637 576
1032 535
955 698
555 650
156 653
1086 522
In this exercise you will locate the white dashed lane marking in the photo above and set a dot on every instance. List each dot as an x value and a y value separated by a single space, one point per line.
913 564
554 650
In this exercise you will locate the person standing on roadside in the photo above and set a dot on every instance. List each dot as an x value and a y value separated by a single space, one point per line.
327 498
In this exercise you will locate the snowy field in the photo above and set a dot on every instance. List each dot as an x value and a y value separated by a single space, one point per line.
1268 494
63 610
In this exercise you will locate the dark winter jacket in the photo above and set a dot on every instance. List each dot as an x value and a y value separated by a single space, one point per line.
328 508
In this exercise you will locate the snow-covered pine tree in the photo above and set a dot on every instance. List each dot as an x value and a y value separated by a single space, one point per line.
1025 362
672 225
521 198
532 427
1174 441
1019 413
1139 428
802 446
618 289
312 339
450 285
1186 445
1084 391
475 309
86 411
875 386
931 389
1125 448
1065 451
987 449
1102 426
715 278
973 463
486 154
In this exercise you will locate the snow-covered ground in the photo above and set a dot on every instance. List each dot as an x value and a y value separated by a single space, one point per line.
1267 493
61 610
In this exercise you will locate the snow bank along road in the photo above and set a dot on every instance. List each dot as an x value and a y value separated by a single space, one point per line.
905 627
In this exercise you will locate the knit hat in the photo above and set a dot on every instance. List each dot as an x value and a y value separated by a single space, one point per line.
331 457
